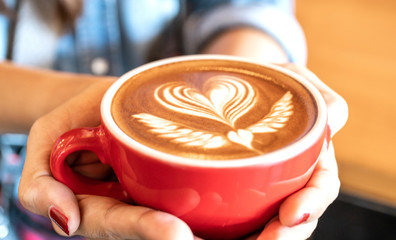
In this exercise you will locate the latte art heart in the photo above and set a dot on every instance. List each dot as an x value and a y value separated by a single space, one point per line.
223 98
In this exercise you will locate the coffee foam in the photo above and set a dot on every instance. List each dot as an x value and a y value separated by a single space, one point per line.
211 109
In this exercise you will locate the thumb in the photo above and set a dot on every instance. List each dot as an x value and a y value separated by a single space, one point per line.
309 203
40 193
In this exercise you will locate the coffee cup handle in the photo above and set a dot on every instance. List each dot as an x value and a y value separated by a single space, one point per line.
337 107
90 139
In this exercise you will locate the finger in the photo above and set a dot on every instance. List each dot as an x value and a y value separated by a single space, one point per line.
309 203
274 230
87 163
104 217
52 199
253 237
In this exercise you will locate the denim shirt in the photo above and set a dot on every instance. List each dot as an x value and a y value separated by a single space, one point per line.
111 37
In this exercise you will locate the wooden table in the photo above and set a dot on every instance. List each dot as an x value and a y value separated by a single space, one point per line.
352 47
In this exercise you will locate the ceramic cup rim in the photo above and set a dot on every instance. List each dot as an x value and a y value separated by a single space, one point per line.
277 156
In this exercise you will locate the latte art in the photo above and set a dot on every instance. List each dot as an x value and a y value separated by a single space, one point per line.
224 99
213 109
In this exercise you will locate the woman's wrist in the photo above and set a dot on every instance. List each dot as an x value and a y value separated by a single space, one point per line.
247 42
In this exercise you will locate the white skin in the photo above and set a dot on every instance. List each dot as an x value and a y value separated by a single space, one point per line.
58 102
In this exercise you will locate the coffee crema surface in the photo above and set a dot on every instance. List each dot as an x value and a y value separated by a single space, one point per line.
213 109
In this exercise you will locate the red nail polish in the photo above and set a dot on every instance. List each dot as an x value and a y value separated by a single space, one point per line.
304 218
59 219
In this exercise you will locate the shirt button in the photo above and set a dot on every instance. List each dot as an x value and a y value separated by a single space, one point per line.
100 66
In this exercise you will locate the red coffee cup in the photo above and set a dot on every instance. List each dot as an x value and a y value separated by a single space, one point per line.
218 199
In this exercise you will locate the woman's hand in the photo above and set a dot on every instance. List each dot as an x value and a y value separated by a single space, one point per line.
100 217
299 213
89 216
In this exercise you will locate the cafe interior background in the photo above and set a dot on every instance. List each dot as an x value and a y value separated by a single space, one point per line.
352 47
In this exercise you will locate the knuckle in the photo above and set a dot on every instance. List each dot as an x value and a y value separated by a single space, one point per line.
25 197
38 125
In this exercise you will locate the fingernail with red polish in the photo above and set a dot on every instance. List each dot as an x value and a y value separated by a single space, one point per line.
304 218
59 219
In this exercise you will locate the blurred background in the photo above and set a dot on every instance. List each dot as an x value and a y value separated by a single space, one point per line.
352 47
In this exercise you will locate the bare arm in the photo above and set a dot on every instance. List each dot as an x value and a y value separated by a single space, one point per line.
29 93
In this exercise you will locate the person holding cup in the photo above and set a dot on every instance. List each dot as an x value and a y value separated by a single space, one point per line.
65 208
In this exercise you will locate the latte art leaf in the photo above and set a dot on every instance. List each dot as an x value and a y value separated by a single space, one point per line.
181 134
276 118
